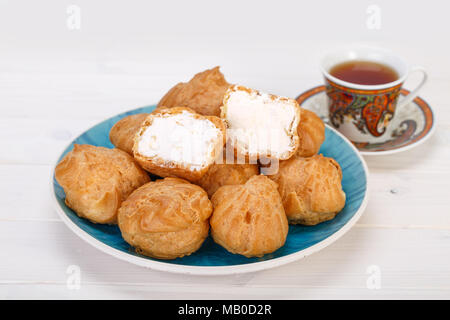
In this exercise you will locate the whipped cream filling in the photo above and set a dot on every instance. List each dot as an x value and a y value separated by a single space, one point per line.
180 139
261 123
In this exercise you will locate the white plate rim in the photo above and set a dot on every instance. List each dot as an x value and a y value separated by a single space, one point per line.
212 270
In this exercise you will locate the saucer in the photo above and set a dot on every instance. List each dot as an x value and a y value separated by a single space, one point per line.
410 127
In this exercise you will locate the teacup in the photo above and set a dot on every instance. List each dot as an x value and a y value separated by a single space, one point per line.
363 112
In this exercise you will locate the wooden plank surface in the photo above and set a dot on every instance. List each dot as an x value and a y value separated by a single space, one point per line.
400 254
405 229
56 83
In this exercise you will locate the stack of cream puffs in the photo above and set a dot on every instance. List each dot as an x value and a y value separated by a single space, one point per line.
209 141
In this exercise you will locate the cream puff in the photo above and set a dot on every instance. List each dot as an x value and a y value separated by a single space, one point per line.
122 133
97 180
166 219
311 189
249 219
261 125
178 142
203 93
311 133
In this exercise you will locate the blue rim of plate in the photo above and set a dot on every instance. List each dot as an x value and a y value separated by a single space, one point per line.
212 259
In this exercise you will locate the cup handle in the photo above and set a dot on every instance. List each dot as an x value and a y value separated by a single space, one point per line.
413 94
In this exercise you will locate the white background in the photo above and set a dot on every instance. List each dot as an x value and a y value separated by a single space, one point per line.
56 82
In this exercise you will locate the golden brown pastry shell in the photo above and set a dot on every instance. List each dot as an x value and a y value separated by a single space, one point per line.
166 218
219 175
310 189
96 180
229 171
203 93
249 219
243 153
311 133
122 133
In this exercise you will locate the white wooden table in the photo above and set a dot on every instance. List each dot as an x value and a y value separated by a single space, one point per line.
56 82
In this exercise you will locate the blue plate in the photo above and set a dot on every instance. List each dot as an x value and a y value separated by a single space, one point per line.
212 258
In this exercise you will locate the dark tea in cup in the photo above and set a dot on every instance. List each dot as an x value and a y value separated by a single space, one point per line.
363 84
364 72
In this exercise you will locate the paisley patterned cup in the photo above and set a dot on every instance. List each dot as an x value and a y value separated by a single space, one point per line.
363 112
